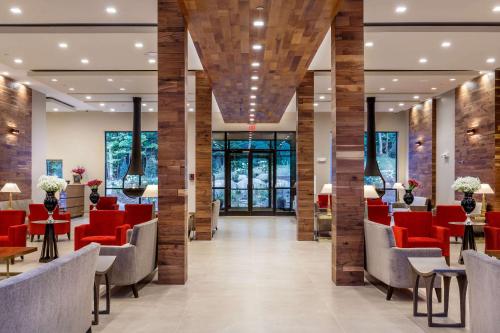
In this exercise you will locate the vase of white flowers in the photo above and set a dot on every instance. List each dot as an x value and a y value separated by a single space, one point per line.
467 185
51 185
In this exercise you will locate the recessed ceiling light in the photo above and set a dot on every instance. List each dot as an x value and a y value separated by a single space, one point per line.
315 104
330 89
191 109
445 44
84 61
254 77
253 97
254 88
5 73
252 110
496 9
255 64
151 109
258 23
422 60
257 47
433 88
187 104
16 10
144 104
152 61
401 104
122 89
88 97
110 80
382 89
139 45
63 45
112 110
401 9
416 97
252 104
369 44
55 109
53 80
26 83
322 97
102 104
391 109
395 80
111 10
490 60
18 61
453 79
71 89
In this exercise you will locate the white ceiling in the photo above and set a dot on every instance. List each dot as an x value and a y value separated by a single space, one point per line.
111 52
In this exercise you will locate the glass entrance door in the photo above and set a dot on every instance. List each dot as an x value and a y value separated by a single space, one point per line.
239 171
262 178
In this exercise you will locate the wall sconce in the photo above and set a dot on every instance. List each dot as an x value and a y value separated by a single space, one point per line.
471 131
418 143
13 130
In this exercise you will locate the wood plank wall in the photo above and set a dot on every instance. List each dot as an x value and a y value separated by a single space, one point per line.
475 154
348 118
172 236
15 150
305 158
496 187
203 157
422 160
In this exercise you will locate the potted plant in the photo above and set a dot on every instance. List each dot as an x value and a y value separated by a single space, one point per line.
94 195
467 185
51 185
78 174
408 197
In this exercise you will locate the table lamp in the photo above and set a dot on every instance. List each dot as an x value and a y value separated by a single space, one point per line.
327 189
484 189
10 188
151 191
398 187
370 192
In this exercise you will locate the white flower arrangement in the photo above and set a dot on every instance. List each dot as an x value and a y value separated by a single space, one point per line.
466 184
51 184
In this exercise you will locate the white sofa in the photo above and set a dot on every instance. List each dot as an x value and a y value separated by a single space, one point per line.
388 263
483 274
55 297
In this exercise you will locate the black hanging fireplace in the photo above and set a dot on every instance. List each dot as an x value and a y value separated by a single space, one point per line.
373 176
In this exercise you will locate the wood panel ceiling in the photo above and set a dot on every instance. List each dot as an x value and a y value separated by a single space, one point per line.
224 34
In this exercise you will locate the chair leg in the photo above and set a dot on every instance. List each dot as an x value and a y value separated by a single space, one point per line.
438 294
134 290
89 330
22 258
32 237
69 235
38 237
390 290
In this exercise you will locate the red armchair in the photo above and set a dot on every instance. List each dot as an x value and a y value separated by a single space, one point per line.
492 231
415 230
106 203
105 227
375 202
450 213
379 214
323 201
12 228
39 213
136 214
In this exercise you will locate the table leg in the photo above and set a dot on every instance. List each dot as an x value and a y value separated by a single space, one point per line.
429 284
462 287
446 282
415 296
8 268
97 283
45 255
468 242
54 243
108 301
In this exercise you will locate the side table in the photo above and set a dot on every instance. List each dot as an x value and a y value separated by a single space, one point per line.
427 269
49 247
468 241
104 264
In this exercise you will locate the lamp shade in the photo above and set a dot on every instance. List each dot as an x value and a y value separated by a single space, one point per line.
370 192
151 191
485 189
10 188
398 186
326 189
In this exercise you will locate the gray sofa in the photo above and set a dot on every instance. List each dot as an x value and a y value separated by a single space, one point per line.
388 263
55 297
483 274
136 259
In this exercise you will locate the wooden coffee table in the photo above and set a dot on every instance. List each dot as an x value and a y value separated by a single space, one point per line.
10 253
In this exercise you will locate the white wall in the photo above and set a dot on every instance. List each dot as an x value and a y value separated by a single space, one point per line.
77 138
445 143
38 143
322 149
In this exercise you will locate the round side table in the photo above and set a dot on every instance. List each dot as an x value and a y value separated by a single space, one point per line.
468 241
49 247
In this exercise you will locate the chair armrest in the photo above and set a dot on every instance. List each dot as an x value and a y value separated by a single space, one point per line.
121 233
401 236
17 235
491 237
64 216
116 207
441 233
124 268
129 235
417 252
81 231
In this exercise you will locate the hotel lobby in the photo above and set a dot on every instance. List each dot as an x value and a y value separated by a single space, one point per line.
249 166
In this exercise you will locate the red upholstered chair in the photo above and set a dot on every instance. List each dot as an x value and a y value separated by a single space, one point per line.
138 213
415 230
492 231
379 214
450 213
323 201
105 227
39 213
376 202
12 228
106 203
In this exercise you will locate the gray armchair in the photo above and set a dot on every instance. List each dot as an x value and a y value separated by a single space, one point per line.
136 259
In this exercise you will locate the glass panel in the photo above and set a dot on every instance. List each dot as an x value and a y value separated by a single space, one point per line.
239 198
261 179
261 198
218 141
386 145
218 194
239 144
283 169
218 169
285 141
283 199
55 168
239 180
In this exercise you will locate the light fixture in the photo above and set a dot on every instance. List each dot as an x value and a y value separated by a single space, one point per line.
191 109
122 89
370 192
315 104
111 10
369 44
382 89
63 45
16 10
252 110
253 97
13 130
5 73
102 104
395 80
257 47
187 104
484 189
139 45
26 83
252 104
254 77
401 104
258 23
84 61
418 143
401 9
151 109
433 88
254 88
496 9
71 89
112 110
445 44
391 109
329 88
453 79
416 97
144 104
10 188
422 60
53 80
152 61
471 131
151 191
55 109
88 97
110 80
255 64
18 61
490 60
322 97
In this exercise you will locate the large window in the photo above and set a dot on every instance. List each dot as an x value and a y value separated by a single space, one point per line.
386 144
117 149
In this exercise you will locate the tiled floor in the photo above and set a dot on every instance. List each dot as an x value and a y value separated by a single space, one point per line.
254 277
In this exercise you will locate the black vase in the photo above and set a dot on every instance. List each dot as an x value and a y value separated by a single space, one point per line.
408 197
468 202
50 203
94 197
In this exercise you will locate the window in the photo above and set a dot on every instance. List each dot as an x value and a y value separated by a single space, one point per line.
117 150
386 144
55 168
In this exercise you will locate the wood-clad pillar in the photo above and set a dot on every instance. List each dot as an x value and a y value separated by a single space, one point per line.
172 222
203 157
305 158
496 185
348 144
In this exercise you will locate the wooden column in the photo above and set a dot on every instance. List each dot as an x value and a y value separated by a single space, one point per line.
496 184
348 144
203 157
172 236
305 159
